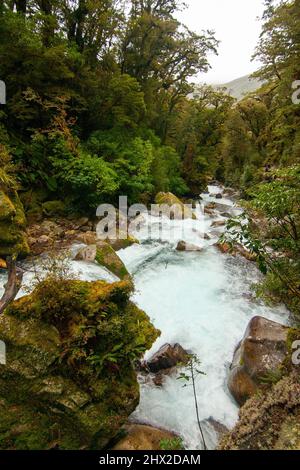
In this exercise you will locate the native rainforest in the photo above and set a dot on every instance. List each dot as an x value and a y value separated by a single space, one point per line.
182 332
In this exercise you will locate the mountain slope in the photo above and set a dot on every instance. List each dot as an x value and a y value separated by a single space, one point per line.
241 86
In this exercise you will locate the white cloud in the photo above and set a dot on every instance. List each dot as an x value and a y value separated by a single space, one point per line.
237 26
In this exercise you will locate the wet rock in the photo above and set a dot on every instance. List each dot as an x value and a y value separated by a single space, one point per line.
219 196
172 207
219 428
87 254
142 437
210 212
218 223
167 357
184 246
206 236
48 227
88 238
106 256
223 247
236 250
227 215
262 351
121 240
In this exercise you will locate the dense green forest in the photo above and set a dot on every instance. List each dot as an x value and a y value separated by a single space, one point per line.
100 103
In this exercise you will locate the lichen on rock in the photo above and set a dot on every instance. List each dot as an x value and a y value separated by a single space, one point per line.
269 420
69 381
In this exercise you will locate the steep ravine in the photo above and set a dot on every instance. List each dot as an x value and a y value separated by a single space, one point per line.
201 300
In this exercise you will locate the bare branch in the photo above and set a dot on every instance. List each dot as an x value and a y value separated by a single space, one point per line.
13 285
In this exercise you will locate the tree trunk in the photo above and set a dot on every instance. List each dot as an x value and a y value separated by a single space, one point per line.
13 284
21 6
48 20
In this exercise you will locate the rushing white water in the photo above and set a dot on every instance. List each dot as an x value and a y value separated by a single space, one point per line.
201 300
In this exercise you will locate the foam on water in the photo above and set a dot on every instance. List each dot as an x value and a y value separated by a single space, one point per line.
202 301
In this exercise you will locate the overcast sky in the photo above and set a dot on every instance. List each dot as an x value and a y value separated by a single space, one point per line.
237 26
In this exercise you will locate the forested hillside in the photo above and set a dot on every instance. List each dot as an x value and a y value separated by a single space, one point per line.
98 105
101 103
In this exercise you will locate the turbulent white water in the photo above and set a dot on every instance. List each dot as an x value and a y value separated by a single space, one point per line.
202 301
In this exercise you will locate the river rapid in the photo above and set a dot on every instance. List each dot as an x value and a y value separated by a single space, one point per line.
202 300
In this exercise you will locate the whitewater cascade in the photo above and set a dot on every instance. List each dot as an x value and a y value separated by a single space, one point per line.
202 300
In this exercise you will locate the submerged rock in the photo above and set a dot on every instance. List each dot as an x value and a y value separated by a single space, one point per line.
184 246
218 223
261 352
145 437
69 381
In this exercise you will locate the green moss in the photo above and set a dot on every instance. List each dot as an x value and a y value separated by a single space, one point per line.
54 208
69 379
107 257
7 209
170 200
13 238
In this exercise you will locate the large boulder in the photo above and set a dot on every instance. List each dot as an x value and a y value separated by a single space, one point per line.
142 437
270 420
173 208
13 239
261 352
68 382
106 256
167 357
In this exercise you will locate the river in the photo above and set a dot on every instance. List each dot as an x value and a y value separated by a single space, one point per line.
201 300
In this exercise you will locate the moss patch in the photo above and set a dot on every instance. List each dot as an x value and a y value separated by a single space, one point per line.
69 381
106 256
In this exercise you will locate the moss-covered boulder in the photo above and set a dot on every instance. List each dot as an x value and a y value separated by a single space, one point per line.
54 208
13 240
173 208
121 241
69 381
106 256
